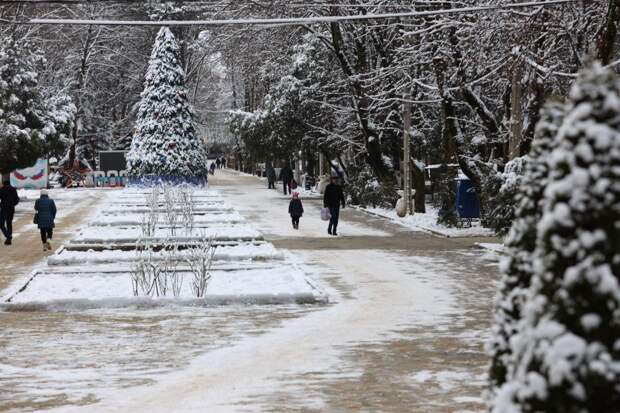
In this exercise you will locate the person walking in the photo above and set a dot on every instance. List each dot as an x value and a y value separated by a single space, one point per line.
45 215
8 200
212 168
223 162
217 163
271 176
333 198
295 209
286 176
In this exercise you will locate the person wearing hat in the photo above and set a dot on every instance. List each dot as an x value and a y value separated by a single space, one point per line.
8 200
44 218
333 198
295 209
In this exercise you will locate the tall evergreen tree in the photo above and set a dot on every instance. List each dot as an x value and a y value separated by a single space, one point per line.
566 352
165 142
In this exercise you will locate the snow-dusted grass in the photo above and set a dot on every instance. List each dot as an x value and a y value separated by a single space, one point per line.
428 222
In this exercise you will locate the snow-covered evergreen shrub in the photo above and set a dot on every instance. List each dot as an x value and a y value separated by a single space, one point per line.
364 189
502 189
520 243
165 142
566 351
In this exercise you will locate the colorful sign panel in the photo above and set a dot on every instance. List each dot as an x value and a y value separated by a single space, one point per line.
34 177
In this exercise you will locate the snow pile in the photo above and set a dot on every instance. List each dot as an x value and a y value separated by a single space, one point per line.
563 352
428 223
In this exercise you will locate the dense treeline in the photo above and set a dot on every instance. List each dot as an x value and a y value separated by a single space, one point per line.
476 82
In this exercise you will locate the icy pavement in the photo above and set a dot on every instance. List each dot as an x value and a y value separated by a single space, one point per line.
404 331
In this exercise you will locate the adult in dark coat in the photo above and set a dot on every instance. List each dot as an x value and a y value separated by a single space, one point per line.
333 198
295 209
217 163
271 176
286 176
8 200
46 214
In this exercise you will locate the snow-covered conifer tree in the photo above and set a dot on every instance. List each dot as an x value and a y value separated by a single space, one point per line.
165 142
521 241
566 351
28 119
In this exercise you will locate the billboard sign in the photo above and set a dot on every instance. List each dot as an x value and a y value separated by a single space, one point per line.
34 177
112 161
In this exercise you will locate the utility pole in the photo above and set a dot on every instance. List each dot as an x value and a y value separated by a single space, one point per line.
406 154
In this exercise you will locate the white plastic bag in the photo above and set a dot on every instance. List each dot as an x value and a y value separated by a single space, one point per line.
325 214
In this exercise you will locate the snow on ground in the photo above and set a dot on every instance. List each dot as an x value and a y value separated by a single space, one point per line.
99 277
223 378
428 222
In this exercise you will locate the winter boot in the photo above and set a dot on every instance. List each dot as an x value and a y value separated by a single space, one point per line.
7 241
49 246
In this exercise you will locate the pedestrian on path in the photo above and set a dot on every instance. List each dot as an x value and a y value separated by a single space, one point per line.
217 163
333 198
212 168
295 209
223 163
271 176
286 176
8 200
44 218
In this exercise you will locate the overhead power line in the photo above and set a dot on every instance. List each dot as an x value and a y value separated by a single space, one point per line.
291 20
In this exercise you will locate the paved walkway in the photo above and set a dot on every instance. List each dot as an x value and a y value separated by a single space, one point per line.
74 206
404 331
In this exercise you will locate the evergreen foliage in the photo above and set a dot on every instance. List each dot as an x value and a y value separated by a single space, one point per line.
521 241
29 121
564 354
165 142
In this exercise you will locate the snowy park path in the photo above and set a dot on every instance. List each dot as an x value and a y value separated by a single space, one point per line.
404 331
74 208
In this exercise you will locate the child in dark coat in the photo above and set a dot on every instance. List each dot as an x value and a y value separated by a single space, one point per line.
296 209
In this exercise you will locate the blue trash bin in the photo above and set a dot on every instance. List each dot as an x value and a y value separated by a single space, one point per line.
467 204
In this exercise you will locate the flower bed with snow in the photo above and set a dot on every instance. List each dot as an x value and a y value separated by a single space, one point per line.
280 284
245 251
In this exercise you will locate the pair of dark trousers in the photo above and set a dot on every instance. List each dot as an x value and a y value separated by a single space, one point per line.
286 187
46 233
295 220
333 221
6 223
272 185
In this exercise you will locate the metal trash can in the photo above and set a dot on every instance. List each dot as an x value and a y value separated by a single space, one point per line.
467 204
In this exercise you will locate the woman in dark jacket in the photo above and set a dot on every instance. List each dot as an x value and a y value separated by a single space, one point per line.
46 213
296 209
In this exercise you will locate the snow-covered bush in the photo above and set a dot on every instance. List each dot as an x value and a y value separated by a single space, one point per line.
517 267
566 350
199 259
165 142
150 219
364 189
502 189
